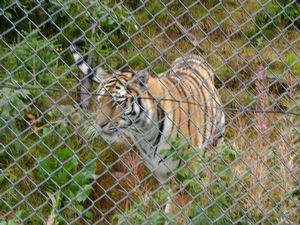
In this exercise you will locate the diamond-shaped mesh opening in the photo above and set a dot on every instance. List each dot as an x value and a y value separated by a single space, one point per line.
113 112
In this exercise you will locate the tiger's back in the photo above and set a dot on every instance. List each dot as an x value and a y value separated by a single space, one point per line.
194 109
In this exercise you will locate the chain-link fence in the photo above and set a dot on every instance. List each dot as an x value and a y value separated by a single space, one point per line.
132 133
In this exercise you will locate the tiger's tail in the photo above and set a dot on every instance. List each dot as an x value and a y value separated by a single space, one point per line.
82 65
88 74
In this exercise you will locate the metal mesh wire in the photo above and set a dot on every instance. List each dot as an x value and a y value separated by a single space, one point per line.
54 167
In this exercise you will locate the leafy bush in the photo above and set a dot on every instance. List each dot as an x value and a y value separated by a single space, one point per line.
62 172
193 176
64 175
138 216
53 17
13 108
279 13
118 17
14 221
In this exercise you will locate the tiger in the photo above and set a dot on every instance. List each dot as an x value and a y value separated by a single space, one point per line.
153 109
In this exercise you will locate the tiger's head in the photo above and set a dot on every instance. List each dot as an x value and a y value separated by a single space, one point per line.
119 106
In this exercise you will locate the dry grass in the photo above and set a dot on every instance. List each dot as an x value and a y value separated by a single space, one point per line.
268 165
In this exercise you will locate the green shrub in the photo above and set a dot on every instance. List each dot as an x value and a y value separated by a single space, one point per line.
201 210
14 221
62 172
54 20
13 108
278 13
115 15
137 216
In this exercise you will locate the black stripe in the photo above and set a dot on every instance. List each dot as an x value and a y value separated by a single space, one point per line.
79 42
79 62
211 110
174 110
204 102
161 124
90 72
139 100
110 83
183 93
179 89
132 112
195 96
205 81
126 69
130 123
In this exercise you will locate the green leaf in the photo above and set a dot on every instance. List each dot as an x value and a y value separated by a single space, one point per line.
1 178
71 165
184 174
158 218
84 192
91 167
199 217
46 129
63 154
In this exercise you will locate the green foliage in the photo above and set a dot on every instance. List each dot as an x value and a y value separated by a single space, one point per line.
13 107
56 204
176 145
112 16
136 216
34 64
65 177
13 103
34 61
180 149
293 62
227 152
139 213
14 221
53 19
192 177
61 170
289 62
278 13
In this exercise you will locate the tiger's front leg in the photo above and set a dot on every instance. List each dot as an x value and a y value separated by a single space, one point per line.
164 181
168 209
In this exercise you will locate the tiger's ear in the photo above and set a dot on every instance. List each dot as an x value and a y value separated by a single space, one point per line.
100 75
142 77
126 69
